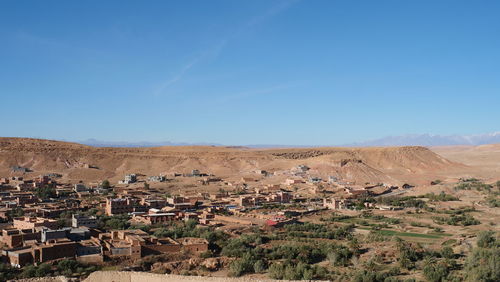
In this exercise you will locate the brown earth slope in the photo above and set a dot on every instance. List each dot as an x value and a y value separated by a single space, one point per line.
80 162
483 161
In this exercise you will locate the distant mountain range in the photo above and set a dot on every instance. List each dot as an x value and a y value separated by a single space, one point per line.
432 140
99 143
404 140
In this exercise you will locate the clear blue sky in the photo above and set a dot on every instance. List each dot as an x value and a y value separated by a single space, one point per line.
248 72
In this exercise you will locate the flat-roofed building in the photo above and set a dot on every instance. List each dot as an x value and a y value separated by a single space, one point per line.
41 252
155 218
122 205
14 238
53 250
34 222
18 257
80 220
80 187
194 245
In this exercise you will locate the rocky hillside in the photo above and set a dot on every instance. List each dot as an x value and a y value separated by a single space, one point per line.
80 162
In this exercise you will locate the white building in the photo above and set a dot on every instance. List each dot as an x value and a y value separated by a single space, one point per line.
79 221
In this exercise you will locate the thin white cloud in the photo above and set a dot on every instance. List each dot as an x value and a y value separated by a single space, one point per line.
215 50
212 52
274 10
176 78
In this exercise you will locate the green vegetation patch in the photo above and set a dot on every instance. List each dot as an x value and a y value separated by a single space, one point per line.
473 184
441 197
407 234
449 242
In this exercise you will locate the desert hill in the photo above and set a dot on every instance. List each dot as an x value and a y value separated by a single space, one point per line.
81 162
483 159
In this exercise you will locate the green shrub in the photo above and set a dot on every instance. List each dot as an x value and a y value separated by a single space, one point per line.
105 184
259 266
373 276
311 230
36 271
242 266
46 192
408 202
441 197
473 184
6 272
447 252
435 271
29 271
340 256
375 236
408 255
493 202
464 219
483 265
67 265
486 239
15 212
301 271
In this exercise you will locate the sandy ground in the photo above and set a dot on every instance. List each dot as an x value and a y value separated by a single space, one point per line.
483 161
47 279
392 165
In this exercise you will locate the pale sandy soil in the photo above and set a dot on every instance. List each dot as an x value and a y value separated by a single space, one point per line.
483 161
142 276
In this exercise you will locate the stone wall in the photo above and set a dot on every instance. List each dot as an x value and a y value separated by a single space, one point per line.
101 276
